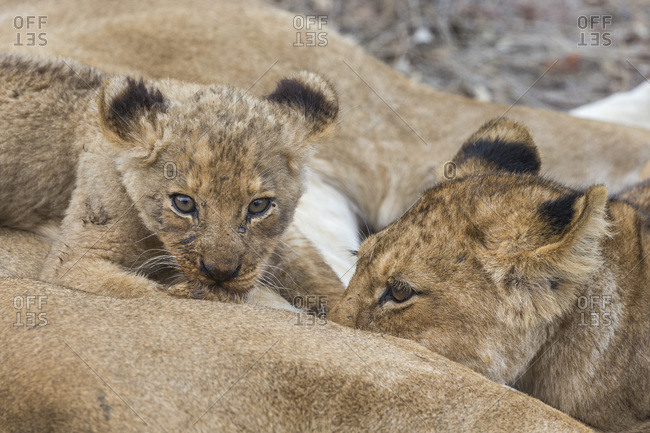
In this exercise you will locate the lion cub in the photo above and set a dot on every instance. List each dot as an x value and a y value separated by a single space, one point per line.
160 183
533 284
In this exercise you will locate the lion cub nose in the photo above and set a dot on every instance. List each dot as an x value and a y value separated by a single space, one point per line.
219 272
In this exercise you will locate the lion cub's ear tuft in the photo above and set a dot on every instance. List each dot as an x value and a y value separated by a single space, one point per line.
128 112
577 223
313 98
558 213
499 145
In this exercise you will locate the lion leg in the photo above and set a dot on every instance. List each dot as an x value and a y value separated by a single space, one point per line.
102 277
96 250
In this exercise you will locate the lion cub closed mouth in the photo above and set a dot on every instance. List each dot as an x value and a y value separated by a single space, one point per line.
533 284
156 183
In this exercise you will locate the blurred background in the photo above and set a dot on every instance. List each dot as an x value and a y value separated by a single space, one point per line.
495 50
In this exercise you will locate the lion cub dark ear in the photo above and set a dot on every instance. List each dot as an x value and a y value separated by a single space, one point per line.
498 145
129 111
576 224
313 98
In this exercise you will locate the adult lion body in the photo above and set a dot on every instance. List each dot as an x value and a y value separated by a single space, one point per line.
160 364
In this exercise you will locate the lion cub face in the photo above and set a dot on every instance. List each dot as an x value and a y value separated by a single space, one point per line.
482 264
214 173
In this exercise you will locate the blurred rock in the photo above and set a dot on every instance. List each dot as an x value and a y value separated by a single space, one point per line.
422 36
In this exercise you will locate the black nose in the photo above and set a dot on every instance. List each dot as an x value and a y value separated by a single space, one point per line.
218 273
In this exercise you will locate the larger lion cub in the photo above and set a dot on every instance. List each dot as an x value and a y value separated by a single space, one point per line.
160 182
533 284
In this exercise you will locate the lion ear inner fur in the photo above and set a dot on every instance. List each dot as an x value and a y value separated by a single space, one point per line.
576 254
312 100
311 97
572 254
129 111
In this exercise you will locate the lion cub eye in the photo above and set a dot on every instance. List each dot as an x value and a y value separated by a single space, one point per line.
183 204
259 206
401 294
397 291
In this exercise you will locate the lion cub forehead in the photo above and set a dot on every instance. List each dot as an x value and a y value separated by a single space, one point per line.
215 162
189 92
462 208
217 105
493 193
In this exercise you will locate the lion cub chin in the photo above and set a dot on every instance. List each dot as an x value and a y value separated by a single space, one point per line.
535 285
162 184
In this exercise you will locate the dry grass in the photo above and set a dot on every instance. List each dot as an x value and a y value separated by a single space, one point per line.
495 50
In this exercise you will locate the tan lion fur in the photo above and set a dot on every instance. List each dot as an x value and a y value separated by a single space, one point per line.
159 364
22 253
535 285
